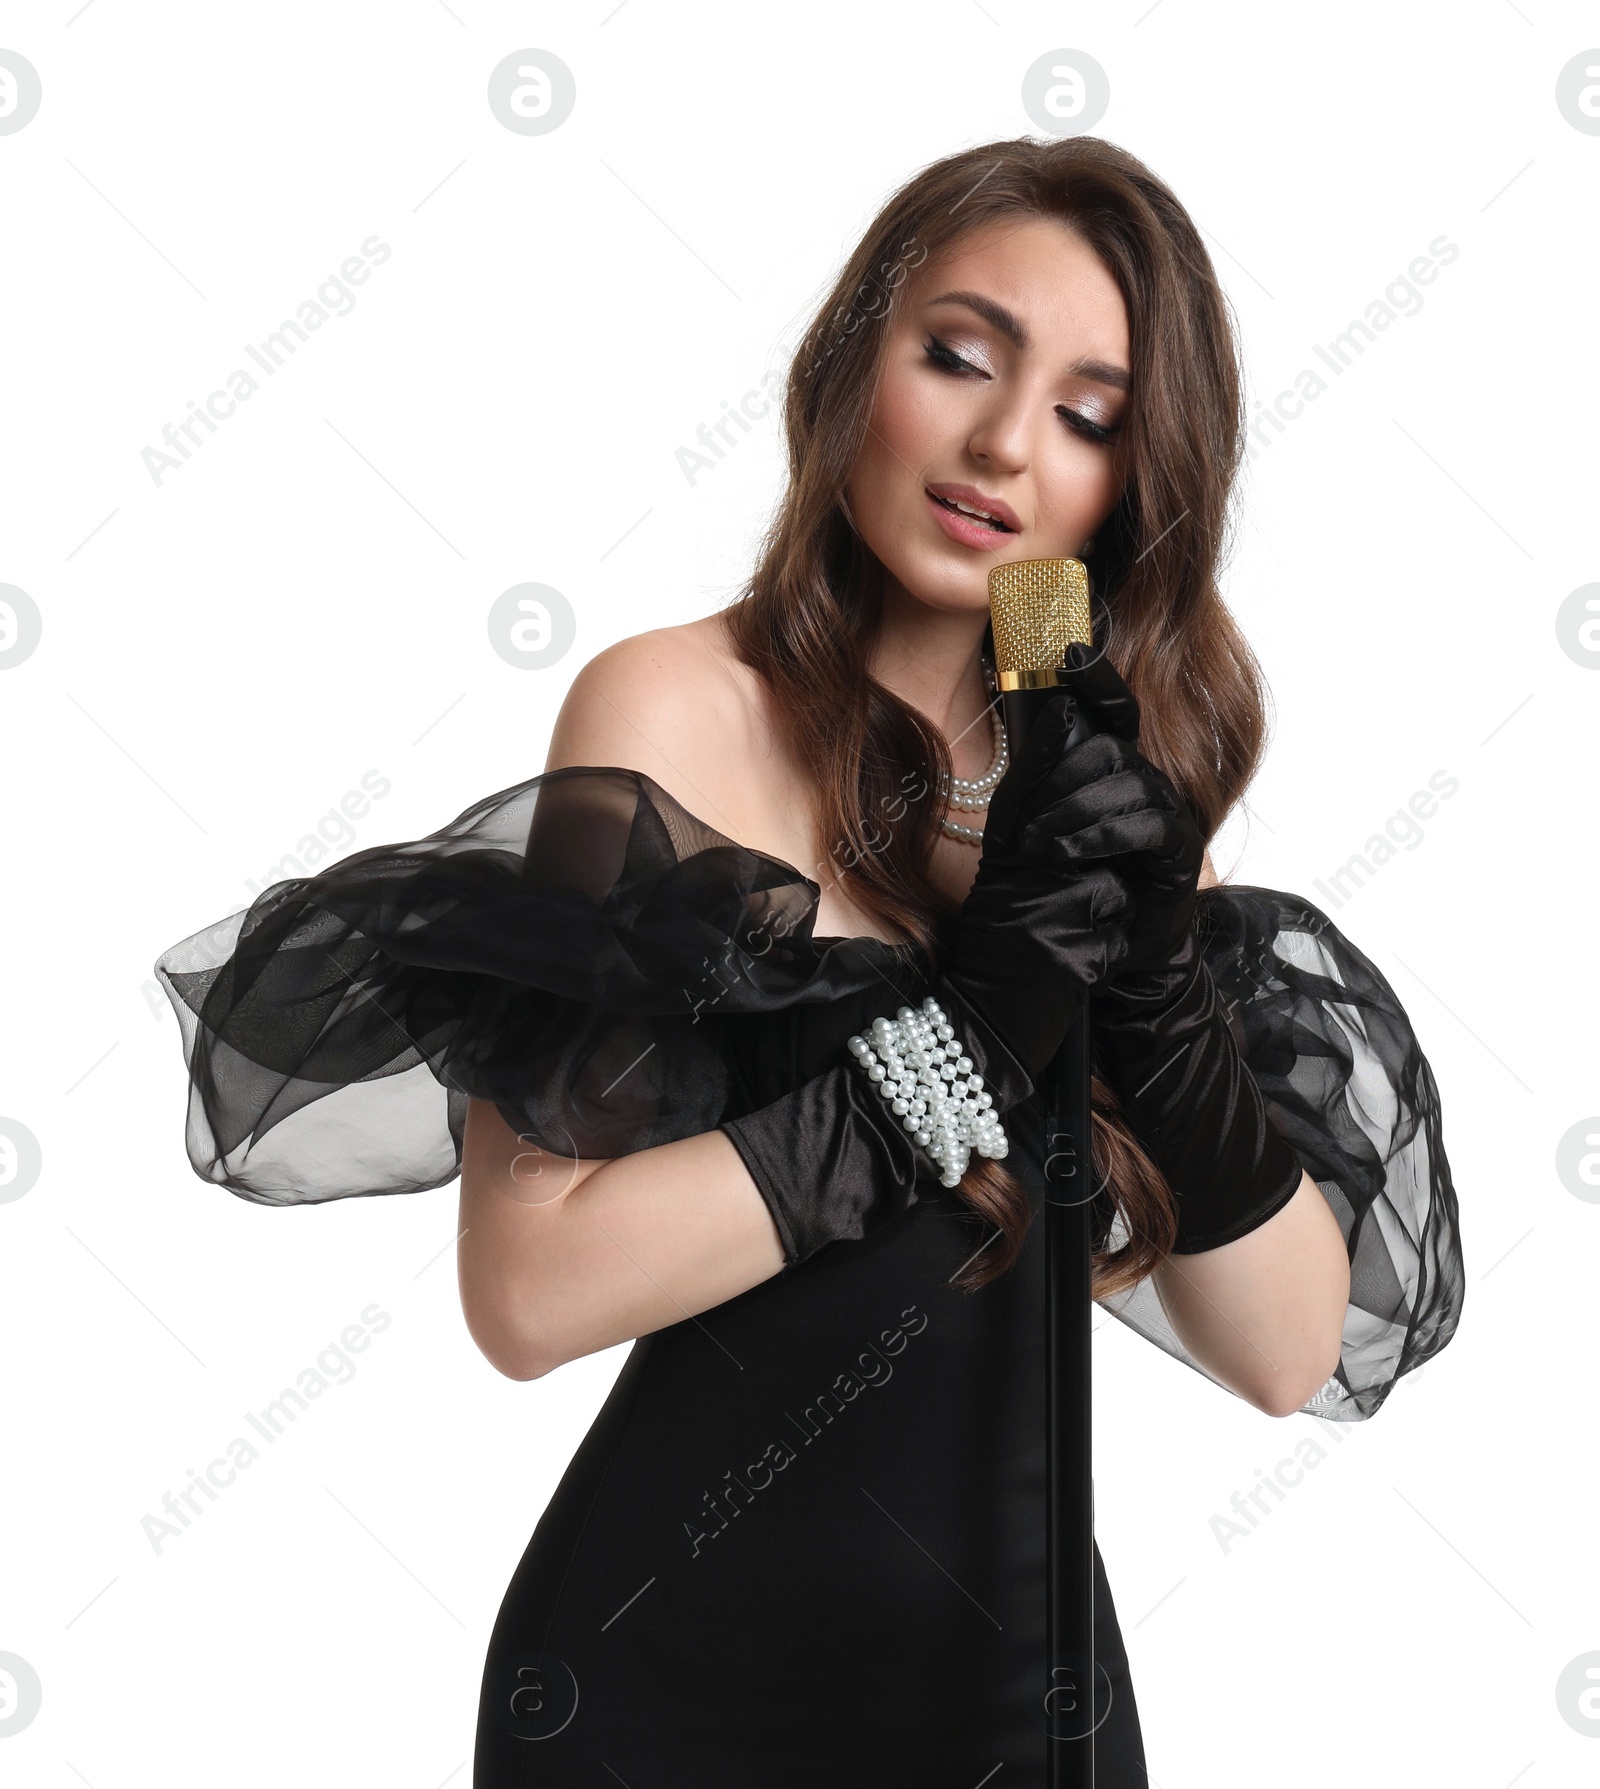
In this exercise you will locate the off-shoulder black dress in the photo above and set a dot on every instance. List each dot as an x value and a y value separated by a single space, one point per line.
803 1542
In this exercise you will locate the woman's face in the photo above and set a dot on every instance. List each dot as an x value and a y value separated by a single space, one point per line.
1004 383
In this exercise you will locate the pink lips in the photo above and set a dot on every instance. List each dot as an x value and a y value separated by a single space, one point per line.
968 530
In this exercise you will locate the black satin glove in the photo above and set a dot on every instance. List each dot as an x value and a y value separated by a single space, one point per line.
1033 939
1159 1028
831 1159
1130 815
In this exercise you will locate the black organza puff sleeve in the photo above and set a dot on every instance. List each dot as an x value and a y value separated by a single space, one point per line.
612 973
576 949
1346 1084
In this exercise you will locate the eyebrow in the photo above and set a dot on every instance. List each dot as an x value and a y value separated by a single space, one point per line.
1011 327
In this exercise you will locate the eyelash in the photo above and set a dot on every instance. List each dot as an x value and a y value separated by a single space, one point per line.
947 360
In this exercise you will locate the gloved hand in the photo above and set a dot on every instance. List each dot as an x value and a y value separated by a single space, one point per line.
1130 816
1157 1022
1034 937
830 1158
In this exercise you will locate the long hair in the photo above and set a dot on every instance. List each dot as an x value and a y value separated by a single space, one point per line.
805 620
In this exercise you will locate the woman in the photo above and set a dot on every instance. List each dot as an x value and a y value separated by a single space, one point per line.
804 1540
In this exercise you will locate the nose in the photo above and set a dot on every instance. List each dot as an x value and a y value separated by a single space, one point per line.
1001 435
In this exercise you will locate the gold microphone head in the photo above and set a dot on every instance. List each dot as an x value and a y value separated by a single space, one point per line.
1038 607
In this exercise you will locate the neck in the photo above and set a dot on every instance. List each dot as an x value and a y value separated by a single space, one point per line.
929 658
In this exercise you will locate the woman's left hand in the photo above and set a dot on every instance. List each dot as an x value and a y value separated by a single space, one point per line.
1132 813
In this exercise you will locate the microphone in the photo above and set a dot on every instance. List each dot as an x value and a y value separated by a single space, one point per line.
1038 608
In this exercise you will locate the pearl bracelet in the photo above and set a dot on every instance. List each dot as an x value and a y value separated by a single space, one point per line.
917 1066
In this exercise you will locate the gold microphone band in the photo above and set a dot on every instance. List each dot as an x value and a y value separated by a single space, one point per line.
1049 678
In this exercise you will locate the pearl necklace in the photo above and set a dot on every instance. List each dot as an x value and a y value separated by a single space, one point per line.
973 794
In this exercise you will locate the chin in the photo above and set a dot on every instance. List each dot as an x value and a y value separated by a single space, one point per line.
944 587
936 579
954 582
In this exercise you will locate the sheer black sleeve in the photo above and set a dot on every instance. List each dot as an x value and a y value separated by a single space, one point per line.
1347 1085
584 953
572 949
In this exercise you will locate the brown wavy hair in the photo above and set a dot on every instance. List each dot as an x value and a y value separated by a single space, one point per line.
806 618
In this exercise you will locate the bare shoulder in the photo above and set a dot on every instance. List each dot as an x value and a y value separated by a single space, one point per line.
1208 872
677 704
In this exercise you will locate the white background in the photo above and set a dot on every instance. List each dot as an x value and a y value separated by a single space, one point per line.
226 653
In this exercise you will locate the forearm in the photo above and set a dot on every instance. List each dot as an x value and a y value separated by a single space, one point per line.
1264 1313
558 1259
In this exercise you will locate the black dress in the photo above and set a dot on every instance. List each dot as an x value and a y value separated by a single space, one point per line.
803 1542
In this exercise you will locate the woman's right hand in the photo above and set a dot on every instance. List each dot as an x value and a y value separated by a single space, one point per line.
1033 940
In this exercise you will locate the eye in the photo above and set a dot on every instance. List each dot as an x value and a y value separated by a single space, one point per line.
1082 425
947 360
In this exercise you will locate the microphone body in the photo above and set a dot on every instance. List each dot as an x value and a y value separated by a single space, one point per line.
1038 608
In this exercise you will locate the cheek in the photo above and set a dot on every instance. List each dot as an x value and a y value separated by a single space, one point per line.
909 425
1077 482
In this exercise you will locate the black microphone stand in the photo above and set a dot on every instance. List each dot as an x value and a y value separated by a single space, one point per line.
1071 1669
1069 1484
1069 1430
